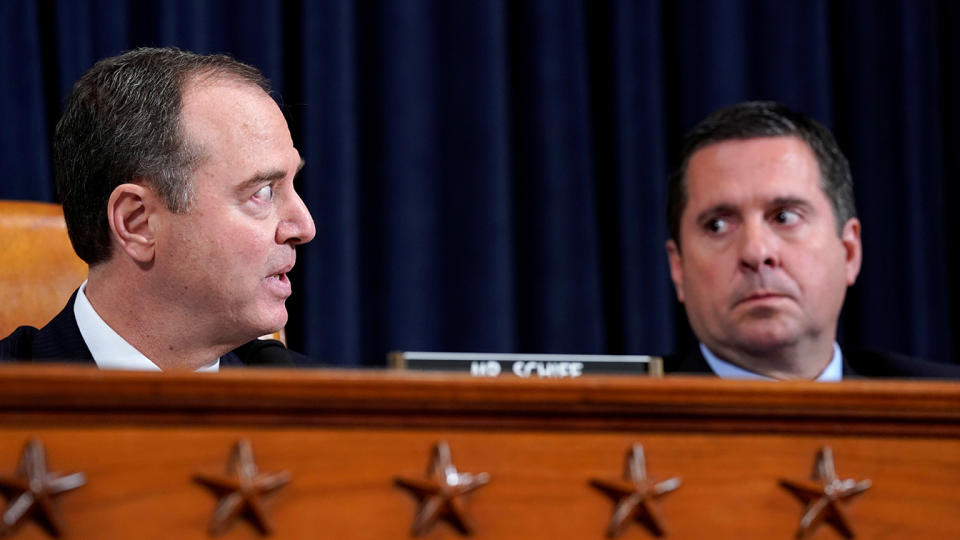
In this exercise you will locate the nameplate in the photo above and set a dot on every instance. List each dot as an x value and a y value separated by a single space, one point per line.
527 365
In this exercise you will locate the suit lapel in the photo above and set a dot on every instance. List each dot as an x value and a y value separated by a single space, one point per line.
689 361
230 360
60 340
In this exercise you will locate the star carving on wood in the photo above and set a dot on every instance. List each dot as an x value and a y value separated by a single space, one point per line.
32 492
635 495
242 491
824 495
440 493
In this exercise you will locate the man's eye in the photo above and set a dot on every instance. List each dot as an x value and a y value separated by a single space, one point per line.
264 194
717 225
786 217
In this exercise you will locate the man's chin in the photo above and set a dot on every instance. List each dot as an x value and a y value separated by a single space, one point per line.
277 325
766 337
268 322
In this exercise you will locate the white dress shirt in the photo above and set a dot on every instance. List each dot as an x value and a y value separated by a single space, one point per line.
109 350
726 370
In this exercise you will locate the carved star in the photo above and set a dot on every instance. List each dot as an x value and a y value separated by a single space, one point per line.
440 493
822 497
241 491
635 495
32 492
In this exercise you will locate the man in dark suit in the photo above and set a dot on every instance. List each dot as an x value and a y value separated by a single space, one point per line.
175 171
764 241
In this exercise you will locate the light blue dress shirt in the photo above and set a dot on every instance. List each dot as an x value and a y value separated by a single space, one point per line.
726 370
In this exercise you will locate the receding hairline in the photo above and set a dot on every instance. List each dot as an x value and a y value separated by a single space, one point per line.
209 77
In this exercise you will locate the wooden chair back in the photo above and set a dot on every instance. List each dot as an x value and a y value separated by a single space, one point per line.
38 267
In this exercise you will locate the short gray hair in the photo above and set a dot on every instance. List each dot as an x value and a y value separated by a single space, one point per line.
121 122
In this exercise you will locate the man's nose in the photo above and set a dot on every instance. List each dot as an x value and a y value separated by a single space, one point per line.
296 224
758 246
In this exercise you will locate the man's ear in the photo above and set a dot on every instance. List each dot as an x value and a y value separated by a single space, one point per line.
853 249
676 267
129 211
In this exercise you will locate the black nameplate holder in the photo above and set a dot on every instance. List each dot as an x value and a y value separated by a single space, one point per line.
527 365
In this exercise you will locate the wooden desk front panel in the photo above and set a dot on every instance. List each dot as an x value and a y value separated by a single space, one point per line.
139 466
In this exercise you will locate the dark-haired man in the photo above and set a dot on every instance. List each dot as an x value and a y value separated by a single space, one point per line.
175 171
764 241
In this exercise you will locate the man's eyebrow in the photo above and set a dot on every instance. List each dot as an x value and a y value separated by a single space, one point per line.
790 201
267 176
720 209
727 209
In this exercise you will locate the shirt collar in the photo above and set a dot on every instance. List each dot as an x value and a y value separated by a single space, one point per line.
726 370
109 350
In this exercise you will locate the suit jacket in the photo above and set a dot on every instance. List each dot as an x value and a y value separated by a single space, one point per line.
60 341
856 364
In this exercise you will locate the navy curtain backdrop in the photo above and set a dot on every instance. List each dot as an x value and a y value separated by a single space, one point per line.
489 175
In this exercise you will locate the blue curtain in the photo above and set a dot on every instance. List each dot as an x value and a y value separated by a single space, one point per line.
490 175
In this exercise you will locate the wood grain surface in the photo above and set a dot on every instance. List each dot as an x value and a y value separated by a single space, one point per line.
345 436
40 270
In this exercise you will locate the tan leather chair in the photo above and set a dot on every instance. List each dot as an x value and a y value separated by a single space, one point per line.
38 268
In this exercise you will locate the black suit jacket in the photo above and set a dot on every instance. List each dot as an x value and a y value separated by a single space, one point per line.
856 364
60 341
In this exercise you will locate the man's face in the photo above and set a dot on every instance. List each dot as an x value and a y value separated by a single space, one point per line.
226 260
761 266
